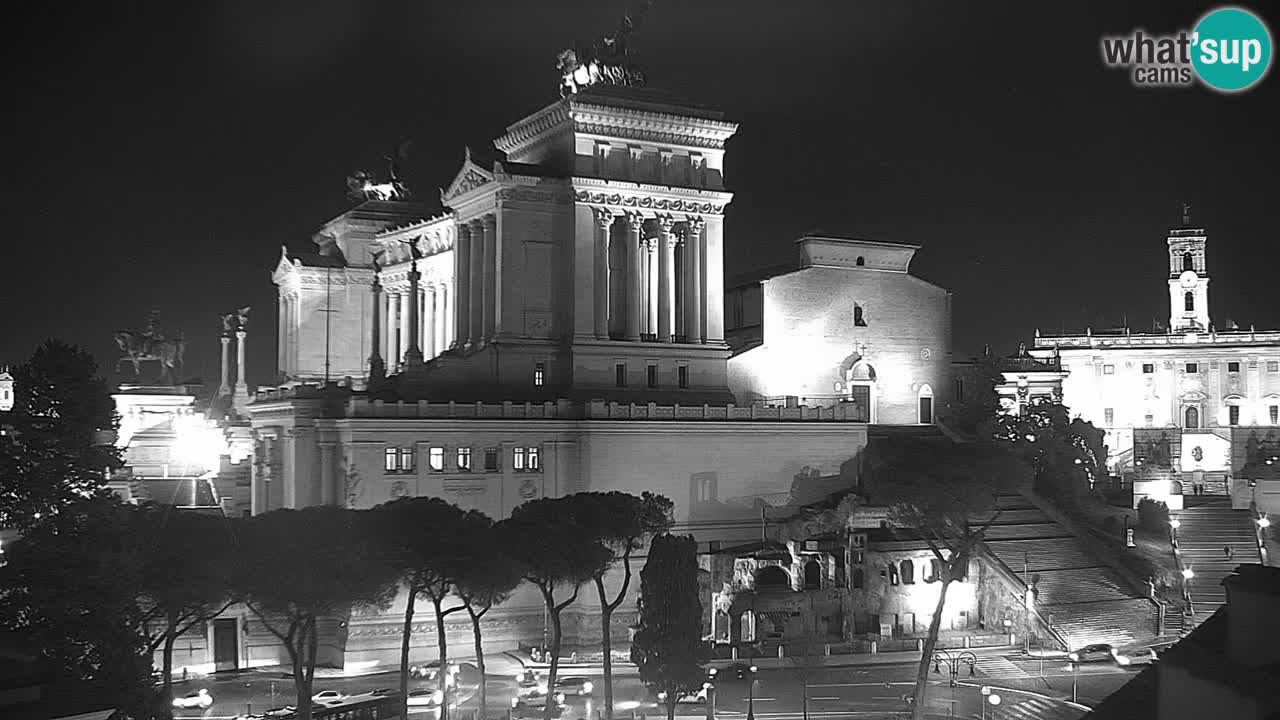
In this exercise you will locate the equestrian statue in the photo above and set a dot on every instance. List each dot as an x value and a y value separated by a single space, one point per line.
151 345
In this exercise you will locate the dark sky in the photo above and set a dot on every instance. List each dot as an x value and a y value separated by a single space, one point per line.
160 154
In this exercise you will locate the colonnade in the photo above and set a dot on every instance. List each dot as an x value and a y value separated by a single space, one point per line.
395 315
478 276
664 275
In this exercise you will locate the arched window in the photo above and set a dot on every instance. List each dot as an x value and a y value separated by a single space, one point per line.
812 575
908 572
893 574
1188 262
861 261
935 571
924 401
1193 418
858 319
1189 301
858 578
772 577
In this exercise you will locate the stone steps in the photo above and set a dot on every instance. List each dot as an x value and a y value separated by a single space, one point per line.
1205 529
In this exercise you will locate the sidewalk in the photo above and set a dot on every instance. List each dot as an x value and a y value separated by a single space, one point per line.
496 664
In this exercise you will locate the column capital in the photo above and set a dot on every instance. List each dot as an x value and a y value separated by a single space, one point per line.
241 334
665 223
635 221
604 217
488 221
694 224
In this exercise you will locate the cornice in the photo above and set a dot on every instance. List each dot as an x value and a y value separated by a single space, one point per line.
647 125
532 128
658 198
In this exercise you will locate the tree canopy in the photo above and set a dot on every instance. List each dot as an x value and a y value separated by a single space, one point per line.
1067 455
57 448
668 647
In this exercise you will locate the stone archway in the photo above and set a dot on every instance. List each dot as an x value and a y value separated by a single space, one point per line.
772 578
813 575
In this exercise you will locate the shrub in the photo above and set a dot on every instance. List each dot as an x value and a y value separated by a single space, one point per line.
1153 515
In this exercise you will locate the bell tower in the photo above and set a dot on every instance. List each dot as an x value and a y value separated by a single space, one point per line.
1188 277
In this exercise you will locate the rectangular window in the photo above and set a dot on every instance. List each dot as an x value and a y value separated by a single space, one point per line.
1108 369
435 457
534 459
391 460
1273 366
1233 367
682 376
620 374
1192 368
1274 412
1149 420
1110 415
651 375
539 374
406 459
491 460
1233 414
1148 368
517 459
464 459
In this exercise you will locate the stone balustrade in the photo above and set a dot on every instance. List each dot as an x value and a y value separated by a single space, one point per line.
1231 337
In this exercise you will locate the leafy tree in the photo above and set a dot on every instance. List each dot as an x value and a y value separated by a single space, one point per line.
621 522
57 446
187 565
487 577
668 646
427 544
975 413
936 490
1067 455
307 565
555 551
70 588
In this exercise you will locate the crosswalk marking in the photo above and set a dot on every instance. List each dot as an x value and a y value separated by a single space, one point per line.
998 666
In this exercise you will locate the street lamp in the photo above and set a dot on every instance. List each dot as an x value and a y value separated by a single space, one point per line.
1174 524
988 698
751 692
953 663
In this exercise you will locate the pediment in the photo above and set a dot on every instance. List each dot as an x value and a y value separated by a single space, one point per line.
284 268
470 176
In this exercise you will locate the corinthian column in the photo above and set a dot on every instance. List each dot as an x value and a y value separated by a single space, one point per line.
693 274
377 370
393 332
444 329
651 278
403 316
430 316
490 282
666 281
224 388
462 280
475 322
241 396
635 290
413 353
604 220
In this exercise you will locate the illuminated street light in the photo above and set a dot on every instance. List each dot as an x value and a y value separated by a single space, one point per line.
1264 522
1174 523
751 694
1188 573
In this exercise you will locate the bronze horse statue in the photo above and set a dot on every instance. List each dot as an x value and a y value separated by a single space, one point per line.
139 347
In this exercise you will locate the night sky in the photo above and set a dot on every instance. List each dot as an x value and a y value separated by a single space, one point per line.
160 155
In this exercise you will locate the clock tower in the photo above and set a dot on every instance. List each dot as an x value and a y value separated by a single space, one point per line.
1188 277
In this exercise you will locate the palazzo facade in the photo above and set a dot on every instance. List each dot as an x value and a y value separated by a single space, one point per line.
1198 404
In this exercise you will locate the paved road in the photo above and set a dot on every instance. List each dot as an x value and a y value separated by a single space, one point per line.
844 692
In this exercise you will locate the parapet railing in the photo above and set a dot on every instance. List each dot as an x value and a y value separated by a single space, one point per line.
597 410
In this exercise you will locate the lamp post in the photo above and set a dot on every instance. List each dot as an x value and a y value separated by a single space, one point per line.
953 663
1263 522
711 693
988 698
751 692
1174 524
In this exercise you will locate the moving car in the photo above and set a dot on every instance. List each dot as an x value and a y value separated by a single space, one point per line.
329 696
689 698
1135 656
574 685
532 708
426 698
199 699
1092 653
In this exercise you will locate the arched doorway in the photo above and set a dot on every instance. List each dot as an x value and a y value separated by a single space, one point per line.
1192 417
860 380
925 401
812 575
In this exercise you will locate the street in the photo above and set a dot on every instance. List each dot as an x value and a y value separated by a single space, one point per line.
833 692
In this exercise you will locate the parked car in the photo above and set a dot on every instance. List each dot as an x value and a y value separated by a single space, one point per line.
1092 653
574 685
532 708
198 699
329 696
283 713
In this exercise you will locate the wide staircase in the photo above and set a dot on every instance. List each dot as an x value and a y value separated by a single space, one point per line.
1208 525
1080 595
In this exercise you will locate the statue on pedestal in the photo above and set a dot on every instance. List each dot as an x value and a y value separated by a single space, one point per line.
606 61
364 185
151 344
